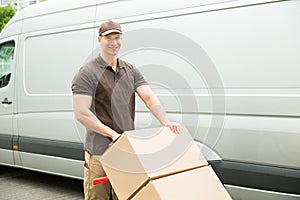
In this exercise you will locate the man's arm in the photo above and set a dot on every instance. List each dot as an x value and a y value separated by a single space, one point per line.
81 105
154 105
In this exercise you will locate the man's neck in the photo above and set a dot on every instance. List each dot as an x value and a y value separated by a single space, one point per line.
110 60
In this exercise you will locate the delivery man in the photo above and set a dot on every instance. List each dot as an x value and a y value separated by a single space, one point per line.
104 102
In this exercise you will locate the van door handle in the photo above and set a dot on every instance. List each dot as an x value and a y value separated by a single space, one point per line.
5 101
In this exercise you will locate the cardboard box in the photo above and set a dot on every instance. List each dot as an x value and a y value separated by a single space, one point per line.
201 183
143 155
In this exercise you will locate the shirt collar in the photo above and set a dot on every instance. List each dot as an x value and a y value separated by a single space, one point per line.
103 64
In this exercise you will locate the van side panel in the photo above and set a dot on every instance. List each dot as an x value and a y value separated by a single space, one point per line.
49 59
257 60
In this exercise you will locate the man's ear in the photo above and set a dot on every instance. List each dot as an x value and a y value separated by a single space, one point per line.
99 39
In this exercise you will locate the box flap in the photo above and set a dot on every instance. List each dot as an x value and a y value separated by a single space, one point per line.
201 183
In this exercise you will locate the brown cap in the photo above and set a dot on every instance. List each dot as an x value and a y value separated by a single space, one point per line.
109 27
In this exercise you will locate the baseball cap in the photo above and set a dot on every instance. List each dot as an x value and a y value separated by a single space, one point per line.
109 27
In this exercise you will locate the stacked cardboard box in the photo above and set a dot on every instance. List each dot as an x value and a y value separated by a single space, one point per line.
158 164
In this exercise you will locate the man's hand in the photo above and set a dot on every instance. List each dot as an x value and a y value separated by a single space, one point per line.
175 127
115 137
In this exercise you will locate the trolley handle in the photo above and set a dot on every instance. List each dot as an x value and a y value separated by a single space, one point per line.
100 180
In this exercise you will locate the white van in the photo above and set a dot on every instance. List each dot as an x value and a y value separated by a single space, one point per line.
228 70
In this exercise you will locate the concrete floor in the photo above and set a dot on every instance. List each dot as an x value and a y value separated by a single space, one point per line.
20 184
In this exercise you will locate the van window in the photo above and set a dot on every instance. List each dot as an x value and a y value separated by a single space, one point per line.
6 61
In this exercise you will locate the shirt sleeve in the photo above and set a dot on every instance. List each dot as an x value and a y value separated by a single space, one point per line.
138 78
82 83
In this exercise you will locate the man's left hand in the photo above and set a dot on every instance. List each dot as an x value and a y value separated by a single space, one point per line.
174 126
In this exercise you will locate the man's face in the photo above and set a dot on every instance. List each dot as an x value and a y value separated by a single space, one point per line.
111 43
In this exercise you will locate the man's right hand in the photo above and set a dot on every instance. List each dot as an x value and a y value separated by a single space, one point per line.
115 137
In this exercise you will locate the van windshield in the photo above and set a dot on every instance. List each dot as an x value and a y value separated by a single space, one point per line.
6 61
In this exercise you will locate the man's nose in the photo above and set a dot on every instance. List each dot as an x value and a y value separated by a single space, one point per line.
115 42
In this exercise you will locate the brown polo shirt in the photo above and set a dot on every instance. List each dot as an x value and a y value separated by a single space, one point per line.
113 97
